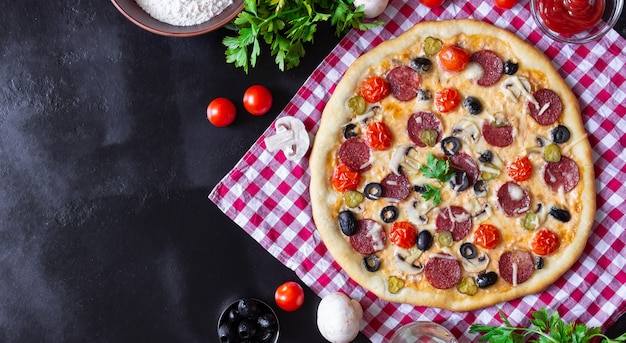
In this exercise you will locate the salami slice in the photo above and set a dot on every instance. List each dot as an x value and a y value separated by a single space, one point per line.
516 266
466 163
369 238
500 136
513 199
443 272
355 154
561 174
456 220
396 186
404 82
423 121
493 67
549 109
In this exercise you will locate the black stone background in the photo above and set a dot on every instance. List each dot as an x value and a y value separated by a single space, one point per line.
106 161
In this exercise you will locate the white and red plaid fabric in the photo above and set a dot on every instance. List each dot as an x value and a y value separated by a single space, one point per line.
268 195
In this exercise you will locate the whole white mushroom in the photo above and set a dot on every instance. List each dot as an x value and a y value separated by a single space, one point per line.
372 8
339 317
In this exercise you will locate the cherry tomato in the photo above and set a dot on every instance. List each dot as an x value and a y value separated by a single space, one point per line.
545 242
374 89
378 136
505 4
521 169
221 112
257 100
487 236
432 3
344 179
447 99
289 296
403 234
452 58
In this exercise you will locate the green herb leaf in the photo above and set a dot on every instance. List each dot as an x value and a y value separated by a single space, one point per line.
432 193
437 168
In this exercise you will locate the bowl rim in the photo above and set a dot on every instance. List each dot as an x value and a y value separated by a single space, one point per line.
191 31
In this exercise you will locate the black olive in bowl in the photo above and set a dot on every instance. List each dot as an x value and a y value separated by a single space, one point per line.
248 320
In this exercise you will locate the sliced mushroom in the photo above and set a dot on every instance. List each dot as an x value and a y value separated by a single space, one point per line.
404 159
517 86
466 130
476 265
408 262
291 137
417 211
369 113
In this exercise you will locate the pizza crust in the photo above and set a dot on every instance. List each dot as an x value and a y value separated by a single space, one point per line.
324 198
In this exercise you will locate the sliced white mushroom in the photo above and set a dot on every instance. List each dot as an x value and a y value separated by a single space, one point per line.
372 8
518 86
291 137
408 262
477 264
402 158
369 113
417 211
466 130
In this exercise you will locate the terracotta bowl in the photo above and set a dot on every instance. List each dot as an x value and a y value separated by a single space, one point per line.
131 10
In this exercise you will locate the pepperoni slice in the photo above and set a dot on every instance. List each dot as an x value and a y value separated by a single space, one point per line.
456 220
354 153
404 82
561 174
465 163
423 121
493 67
523 262
396 186
443 272
499 136
549 109
369 238
513 199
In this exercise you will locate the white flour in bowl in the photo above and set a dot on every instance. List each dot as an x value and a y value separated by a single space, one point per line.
183 12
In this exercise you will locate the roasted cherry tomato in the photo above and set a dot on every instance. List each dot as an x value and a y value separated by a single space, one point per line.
447 99
374 89
221 112
257 100
452 58
521 169
344 179
289 296
545 242
378 136
432 3
487 236
403 234
506 4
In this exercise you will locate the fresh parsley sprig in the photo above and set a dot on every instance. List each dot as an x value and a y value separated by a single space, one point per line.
546 328
286 26
438 169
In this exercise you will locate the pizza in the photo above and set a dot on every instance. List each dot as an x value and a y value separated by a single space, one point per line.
451 169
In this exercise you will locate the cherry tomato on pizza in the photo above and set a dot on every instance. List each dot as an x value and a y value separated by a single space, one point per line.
453 58
487 236
521 169
403 234
289 296
447 100
378 136
257 100
506 4
344 179
374 88
432 3
545 242
221 112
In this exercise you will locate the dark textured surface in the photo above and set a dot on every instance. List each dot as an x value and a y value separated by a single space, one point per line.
106 232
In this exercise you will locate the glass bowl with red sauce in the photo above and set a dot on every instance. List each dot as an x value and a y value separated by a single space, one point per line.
576 21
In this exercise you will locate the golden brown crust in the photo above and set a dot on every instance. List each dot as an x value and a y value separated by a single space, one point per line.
325 199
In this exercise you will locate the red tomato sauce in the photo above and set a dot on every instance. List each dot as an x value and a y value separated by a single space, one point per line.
570 16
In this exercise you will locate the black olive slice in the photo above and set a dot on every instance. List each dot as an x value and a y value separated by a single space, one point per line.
373 191
510 68
450 145
468 250
460 181
424 94
539 207
485 156
371 263
480 188
539 262
560 214
348 131
421 64
347 222
389 214
420 189
473 105
424 240
560 134
484 280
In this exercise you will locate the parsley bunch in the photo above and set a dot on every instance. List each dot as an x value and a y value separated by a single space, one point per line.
547 328
285 26
438 169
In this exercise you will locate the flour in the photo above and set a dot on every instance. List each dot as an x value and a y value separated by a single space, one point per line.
183 12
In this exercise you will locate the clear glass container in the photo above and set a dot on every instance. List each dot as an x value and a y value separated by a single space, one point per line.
423 332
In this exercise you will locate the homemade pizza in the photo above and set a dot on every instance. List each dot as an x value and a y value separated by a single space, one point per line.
451 169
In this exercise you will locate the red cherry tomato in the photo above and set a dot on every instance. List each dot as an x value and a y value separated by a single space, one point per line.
506 4
521 169
221 112
453 58
289 296
487 236
432 3
257 100
374 89
545 242
447 99
344 179
403 234
378 136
